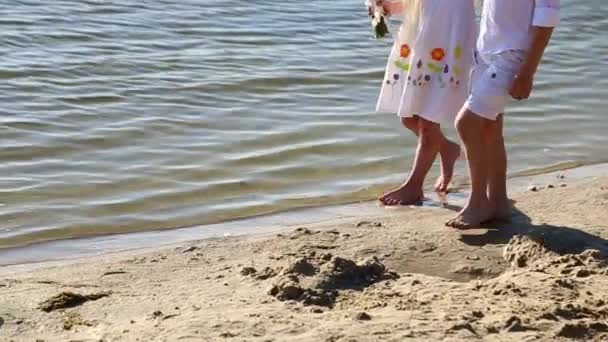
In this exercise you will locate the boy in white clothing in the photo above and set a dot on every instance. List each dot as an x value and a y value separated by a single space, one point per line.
512 41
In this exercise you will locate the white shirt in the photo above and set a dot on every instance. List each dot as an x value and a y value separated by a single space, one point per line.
505 24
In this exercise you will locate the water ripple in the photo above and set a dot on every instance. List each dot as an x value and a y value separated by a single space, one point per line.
121 116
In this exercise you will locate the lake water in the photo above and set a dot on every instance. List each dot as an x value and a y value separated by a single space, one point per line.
125 116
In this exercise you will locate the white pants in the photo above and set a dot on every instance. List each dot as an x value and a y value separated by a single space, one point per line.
491 80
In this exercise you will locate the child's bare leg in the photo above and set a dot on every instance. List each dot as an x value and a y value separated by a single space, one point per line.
412 124
471 130
429 141
449 152
497 172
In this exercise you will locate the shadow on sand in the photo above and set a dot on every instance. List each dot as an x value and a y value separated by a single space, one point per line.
558 239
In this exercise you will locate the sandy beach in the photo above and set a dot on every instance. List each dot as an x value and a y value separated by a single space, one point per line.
394 277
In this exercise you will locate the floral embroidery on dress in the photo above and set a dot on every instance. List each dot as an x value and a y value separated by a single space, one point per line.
405 51
435 68
442 84
396 79
445 74
457 55
438 54
402 66
458 52
454 82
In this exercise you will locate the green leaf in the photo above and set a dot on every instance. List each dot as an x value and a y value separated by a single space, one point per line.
381 29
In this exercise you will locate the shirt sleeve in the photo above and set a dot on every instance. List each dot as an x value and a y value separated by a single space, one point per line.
546 13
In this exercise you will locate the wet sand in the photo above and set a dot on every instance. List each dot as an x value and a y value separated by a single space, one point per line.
397 276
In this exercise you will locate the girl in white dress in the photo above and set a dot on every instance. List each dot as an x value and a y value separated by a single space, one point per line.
427 82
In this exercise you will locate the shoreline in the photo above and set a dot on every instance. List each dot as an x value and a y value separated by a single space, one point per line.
56 251
395 276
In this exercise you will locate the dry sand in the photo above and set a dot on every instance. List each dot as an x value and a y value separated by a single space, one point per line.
401 276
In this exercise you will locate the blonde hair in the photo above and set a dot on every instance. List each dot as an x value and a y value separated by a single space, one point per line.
411 18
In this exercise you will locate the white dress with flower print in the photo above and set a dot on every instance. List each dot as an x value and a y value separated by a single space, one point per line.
429 77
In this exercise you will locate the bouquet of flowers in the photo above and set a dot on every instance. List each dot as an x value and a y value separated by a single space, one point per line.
376 12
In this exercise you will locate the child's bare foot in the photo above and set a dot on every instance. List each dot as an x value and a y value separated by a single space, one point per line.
406 194
472 217
449 155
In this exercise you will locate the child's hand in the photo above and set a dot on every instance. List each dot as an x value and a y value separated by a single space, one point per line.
522 86
391 7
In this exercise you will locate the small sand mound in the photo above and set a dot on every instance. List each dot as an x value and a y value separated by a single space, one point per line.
302 266
72 319
291 290
582 330
247 271
342 273
299 233
317 282
258 275
571 311
521 251
524 251
69 300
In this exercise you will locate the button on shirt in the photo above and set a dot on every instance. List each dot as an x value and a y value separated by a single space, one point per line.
506 24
